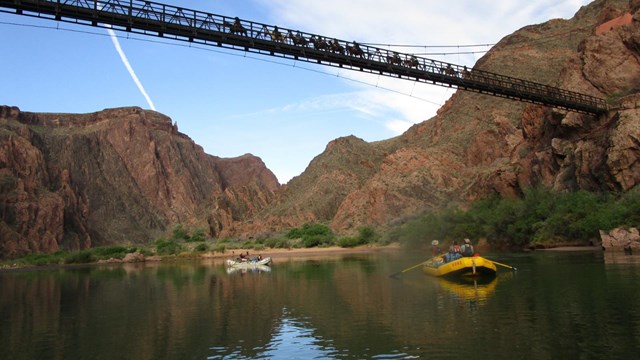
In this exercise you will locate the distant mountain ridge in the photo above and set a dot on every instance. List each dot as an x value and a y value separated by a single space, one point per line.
128 175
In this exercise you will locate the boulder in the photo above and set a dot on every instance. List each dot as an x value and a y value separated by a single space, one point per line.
133 258
620 239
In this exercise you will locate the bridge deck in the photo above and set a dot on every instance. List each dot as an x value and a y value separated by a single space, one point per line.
167 21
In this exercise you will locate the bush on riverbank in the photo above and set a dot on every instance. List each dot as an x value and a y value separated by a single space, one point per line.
320 235
182 243
541 217
77 257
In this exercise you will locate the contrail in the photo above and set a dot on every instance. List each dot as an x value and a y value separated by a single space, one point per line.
126 63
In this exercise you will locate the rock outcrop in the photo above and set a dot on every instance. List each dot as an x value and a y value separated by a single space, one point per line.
621 240
479 145
115 176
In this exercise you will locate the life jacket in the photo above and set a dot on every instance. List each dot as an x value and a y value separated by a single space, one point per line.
466 250
456 248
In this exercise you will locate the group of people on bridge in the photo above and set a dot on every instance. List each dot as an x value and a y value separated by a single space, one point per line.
325 44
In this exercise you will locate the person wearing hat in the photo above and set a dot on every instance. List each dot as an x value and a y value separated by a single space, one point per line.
435 248
467 249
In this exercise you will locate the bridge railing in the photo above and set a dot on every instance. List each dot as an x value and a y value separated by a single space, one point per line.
157 19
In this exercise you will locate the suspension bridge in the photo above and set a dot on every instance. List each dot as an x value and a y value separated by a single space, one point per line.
176 23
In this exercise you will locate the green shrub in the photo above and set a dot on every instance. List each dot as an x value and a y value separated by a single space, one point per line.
80 257
349 241
279 244
539 216
316 240
43 259
179 233
202 247
220 248
107 252
197 236
167 247
366 234
312 235
294 233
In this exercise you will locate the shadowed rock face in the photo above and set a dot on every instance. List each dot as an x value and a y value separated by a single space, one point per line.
115 176
127 175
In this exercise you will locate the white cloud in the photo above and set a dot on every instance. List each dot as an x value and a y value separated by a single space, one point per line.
413 22
398 126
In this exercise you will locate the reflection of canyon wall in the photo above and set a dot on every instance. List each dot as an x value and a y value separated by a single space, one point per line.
73 314
164 311
115 176
149 312
158 311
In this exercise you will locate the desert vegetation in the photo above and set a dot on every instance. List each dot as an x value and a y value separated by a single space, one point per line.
540 218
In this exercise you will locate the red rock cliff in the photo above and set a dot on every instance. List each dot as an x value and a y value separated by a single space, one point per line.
114 176
479 145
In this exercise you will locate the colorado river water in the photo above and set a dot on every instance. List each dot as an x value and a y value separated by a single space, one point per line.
563 305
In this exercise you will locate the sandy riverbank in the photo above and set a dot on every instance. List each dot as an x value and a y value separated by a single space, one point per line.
573 248
302 252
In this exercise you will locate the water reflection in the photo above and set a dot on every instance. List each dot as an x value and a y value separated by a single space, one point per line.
257 269
611 257
291 336
473 289
341 307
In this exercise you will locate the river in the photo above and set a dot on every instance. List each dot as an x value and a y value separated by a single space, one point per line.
562 305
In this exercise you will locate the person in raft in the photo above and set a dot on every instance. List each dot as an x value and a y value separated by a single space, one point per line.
467 249
435 248
454 252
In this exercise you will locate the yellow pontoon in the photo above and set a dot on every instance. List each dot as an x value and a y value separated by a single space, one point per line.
465 266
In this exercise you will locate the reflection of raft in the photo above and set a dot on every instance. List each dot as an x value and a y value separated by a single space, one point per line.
250 264
471 289
465 266
243 270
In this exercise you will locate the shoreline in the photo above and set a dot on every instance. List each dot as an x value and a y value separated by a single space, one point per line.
572 248
274 253
293 253
302 252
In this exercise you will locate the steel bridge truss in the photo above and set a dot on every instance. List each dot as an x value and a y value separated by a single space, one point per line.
167 21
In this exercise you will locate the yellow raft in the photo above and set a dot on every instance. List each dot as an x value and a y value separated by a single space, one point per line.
465 266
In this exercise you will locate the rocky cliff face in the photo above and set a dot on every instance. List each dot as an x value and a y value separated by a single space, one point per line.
127 175
115 176
479 145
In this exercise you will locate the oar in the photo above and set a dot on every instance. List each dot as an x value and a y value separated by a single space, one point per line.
411 268
505 265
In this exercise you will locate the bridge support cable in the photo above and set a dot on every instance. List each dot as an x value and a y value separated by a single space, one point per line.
168 21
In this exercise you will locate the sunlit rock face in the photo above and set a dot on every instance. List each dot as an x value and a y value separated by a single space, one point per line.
479 145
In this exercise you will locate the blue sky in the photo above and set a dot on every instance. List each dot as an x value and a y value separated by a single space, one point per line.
232 103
